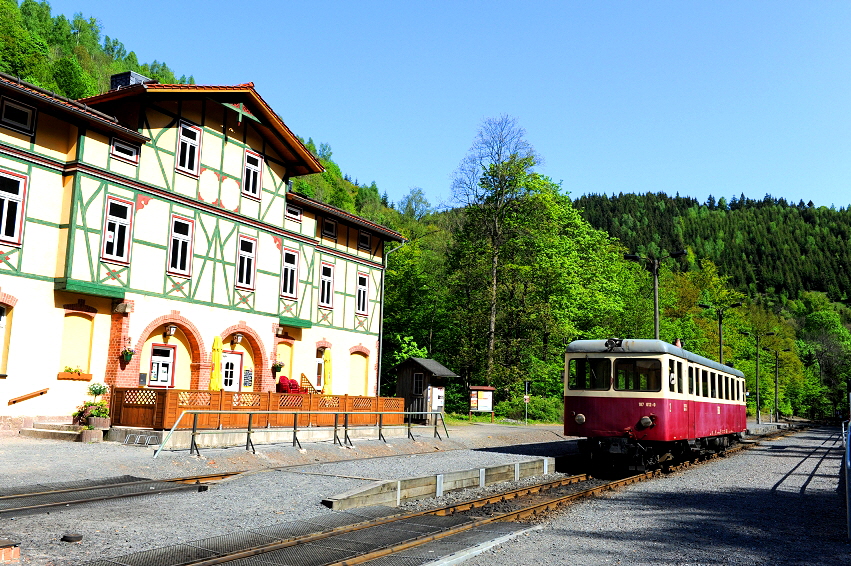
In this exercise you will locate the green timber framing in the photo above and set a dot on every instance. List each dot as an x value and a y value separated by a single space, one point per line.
105 279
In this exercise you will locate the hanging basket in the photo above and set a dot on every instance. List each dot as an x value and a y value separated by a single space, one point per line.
126 356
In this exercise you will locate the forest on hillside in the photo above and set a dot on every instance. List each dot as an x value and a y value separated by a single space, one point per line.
767 247
495 286
68 57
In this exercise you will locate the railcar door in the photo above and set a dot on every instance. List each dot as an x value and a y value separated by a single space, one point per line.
690 404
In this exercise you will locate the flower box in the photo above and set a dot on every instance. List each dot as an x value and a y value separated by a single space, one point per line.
91 435
74 376
100 423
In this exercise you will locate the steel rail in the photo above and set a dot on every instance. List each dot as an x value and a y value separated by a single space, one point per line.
199 487
187 479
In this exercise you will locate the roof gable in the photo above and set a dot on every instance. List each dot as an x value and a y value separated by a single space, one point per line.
241 99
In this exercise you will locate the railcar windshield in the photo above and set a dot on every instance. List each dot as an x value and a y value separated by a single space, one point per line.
633 374
589 373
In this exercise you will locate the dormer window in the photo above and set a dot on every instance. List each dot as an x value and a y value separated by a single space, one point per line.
189 149
125 151
293 213
253 174
17 116
329 229
364 240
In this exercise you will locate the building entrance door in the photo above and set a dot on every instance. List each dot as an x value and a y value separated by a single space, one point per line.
231 370
162 366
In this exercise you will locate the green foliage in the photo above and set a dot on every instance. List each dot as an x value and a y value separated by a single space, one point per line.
97 389
543 409
65 56
91 409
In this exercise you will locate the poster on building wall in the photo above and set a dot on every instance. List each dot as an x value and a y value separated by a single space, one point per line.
247 378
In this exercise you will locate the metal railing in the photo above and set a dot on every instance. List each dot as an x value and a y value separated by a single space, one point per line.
249 444
846 438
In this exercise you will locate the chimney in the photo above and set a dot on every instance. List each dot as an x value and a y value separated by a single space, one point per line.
127 78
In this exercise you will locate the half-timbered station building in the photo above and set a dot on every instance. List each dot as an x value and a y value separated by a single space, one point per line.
138 225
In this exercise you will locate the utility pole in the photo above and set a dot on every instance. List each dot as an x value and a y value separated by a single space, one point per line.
654 269
757 335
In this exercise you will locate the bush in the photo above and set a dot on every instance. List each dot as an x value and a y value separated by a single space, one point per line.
91 409
547 409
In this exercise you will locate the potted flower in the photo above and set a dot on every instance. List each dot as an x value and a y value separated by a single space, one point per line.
94 413
277 366
127 354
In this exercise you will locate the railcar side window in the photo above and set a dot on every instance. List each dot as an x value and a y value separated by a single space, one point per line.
672 377
680 377
691 380
638 375
589 373
704 383
727 387
713 387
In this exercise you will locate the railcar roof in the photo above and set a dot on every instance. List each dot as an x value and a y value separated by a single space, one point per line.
646 347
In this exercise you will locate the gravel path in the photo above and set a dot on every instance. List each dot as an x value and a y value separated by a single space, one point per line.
774 504
261 497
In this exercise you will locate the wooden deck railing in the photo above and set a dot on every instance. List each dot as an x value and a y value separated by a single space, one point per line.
159 409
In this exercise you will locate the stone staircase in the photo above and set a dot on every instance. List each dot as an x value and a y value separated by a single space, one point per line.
61 431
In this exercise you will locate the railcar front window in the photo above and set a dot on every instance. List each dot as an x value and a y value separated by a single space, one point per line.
589 373
638 375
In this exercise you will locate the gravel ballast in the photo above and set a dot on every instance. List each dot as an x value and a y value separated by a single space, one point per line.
261 496
776 504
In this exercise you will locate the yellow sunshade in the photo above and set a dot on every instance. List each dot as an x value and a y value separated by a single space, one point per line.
216 382
326 366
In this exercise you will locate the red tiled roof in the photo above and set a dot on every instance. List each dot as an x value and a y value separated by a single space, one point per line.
81 109
297 198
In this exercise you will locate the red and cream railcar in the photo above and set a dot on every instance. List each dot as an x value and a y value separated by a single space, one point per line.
646 401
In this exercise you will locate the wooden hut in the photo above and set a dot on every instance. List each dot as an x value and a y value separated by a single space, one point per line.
422 382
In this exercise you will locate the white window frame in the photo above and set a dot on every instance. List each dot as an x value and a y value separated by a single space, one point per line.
25 128
188 240
326 286
364 245
329 228
124 258
21 199
289 274
362 294
251 257
130 148
252 175
294 212
189 143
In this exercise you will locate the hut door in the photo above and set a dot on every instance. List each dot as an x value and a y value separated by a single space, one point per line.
231 370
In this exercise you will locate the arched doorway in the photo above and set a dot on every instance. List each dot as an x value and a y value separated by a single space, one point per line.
245 365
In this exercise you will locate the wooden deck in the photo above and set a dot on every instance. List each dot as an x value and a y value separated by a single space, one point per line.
159 409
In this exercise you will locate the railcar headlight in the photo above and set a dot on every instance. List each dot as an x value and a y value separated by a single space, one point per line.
646 422
580 418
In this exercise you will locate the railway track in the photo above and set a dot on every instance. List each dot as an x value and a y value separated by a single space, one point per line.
34 498
384 535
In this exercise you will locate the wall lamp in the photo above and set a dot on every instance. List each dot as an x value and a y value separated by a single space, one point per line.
170 330
236 338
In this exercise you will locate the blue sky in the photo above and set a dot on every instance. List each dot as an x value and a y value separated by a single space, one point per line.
695 98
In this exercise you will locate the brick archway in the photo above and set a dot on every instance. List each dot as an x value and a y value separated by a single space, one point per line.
262 365
199 376
359 349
